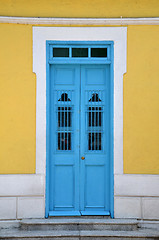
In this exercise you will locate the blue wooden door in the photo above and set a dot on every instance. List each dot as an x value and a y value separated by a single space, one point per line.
79 140
94 140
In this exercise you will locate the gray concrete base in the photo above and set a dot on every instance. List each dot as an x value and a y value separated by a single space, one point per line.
82 235
78 224
79 229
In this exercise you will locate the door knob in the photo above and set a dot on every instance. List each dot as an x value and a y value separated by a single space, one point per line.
82 158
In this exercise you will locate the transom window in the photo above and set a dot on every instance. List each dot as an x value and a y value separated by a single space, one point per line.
74 51
80 52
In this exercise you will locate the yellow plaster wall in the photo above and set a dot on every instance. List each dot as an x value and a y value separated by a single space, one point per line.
17 100
141 101
80 8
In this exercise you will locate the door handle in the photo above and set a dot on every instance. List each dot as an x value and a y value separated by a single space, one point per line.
82 158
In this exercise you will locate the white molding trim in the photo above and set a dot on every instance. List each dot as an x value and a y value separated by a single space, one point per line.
80 21
40 35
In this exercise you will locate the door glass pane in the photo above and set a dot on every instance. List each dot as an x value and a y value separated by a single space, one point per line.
64 116
79 52
98 52
64 123
60 52
95 114
94 141
64 141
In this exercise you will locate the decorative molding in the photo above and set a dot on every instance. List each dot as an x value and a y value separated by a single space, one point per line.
80 21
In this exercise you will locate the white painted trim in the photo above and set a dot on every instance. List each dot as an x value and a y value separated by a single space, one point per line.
116 34
80 21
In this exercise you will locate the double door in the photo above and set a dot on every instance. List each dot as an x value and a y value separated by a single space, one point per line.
79 172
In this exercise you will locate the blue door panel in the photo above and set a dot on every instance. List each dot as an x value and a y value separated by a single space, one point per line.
64 140
94 194
64 187
94 139
91 76
79 117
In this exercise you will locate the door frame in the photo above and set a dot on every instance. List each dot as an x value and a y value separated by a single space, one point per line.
109 60
84 33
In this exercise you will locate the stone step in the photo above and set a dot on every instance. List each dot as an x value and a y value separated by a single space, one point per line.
149 224
79 235
78 224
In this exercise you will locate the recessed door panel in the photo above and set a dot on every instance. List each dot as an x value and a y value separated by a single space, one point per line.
64 186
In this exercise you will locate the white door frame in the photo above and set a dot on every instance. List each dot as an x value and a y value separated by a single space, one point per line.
40 35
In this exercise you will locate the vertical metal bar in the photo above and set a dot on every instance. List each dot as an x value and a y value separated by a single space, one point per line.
64 122
98 114
57 119
57 123
100 122
91 122
72 126
60 120
95 124
67 109
87 117
69 121
88 109
56 114
101 115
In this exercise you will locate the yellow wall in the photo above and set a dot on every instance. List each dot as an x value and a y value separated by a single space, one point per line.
141 101
80 8
17 100
18 103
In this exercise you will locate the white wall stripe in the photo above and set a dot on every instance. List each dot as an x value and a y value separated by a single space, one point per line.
80 21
